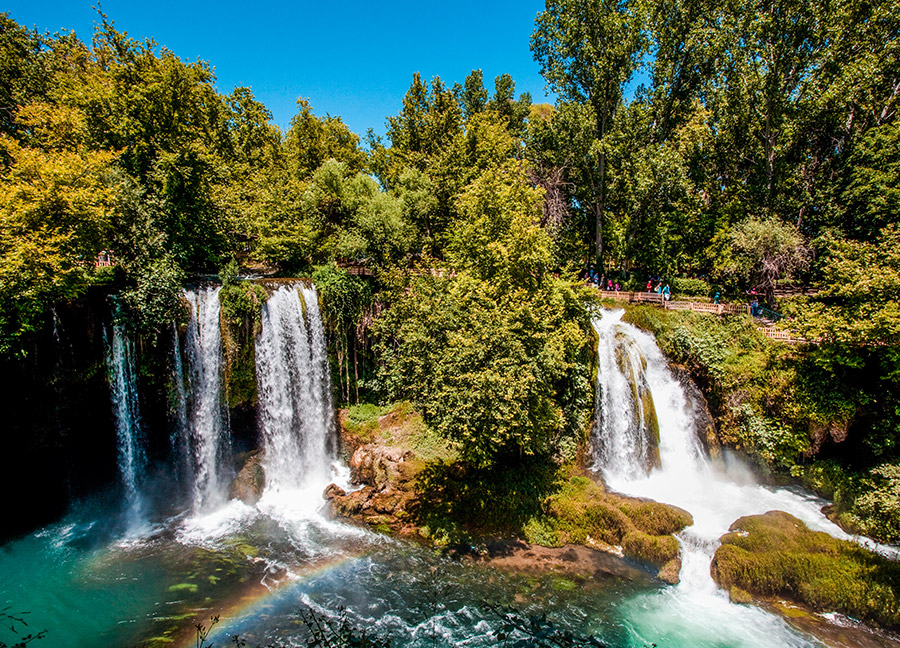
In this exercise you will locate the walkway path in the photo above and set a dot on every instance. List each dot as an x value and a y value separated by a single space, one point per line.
769 330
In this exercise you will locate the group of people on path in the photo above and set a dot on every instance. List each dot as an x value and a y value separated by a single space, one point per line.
658 286
660 289
601 281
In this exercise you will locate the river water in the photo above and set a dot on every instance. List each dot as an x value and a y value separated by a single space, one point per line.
101 578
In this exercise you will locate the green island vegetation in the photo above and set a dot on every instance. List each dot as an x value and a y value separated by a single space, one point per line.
762 153
777 555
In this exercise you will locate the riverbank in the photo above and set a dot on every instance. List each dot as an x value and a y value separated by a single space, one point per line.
413 486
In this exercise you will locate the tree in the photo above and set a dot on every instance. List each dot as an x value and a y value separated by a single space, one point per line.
870 199
493 355
761 251
56 204
588 50
472 95
311 141
858 305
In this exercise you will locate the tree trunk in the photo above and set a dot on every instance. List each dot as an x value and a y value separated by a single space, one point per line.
355 372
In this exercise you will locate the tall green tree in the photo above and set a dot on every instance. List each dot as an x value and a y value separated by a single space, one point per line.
588 50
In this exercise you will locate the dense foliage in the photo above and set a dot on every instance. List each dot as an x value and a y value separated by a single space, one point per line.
762 146
494 350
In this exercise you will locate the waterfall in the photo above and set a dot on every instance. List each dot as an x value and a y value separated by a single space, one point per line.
715 494
130 439
207 414
180 439
295 410
627 429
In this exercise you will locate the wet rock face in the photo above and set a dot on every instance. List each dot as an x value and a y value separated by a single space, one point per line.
706 426
380 466
250 481
386 474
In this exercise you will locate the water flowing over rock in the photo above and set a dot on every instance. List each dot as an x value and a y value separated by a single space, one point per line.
180 438
715 492
295 411
132 458
626 436
207 412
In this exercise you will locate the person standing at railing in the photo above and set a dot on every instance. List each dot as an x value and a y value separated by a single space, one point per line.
716 298
667 294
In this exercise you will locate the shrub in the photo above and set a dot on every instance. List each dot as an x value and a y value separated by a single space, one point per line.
691 287
242 301
877 512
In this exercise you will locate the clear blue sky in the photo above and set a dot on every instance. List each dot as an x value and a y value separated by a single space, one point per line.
352 59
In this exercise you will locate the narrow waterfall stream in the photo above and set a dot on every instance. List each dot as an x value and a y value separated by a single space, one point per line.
716 494
208 414
132 460
180 436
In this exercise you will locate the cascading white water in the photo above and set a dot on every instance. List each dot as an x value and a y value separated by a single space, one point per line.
295 411
715 495
180 439
209 429
132 458
624 440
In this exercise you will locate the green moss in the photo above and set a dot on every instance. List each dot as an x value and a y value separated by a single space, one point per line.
383 528
582 512
777 555
400 426
241 321
184 587
655 518
362 420
540 530
654 549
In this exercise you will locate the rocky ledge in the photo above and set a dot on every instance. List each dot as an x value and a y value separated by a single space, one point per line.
392 454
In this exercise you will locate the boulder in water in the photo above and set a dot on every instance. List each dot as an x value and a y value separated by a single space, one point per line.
250 481
776 555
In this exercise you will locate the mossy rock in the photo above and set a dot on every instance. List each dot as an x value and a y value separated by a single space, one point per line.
738 595
583 512
655 518
775 554
653 549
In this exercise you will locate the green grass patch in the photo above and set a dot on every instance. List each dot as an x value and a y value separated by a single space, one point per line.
777 555
580 511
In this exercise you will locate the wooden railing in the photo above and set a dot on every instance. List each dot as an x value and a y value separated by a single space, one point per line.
700 307
778 334
656 298
624 295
